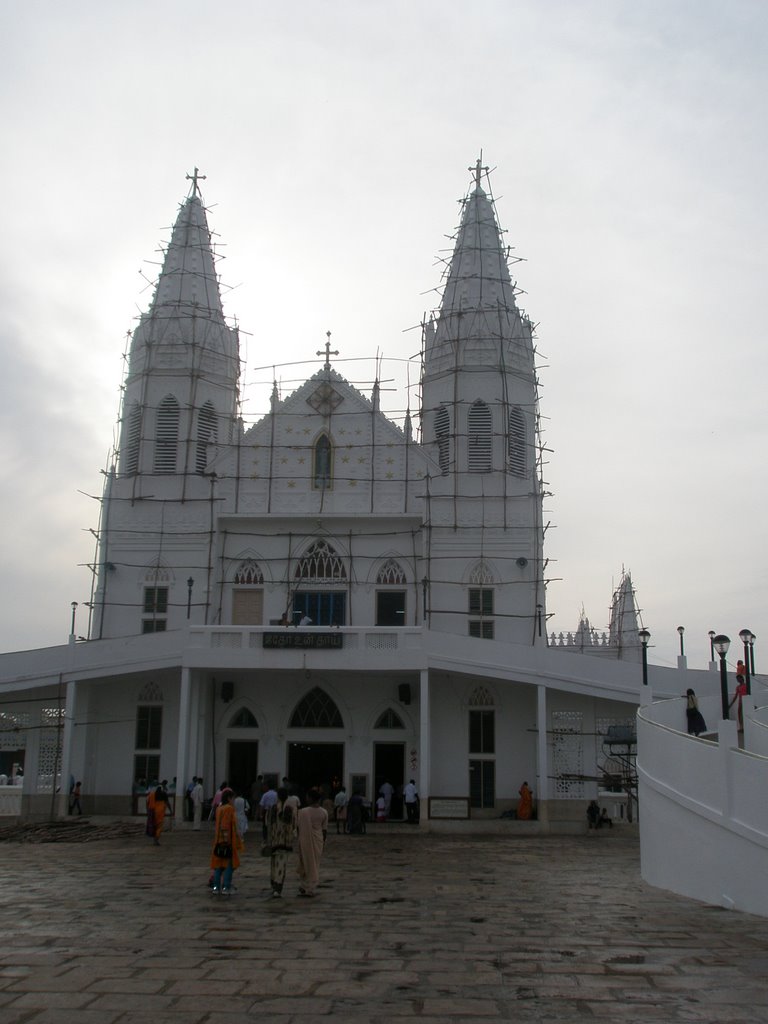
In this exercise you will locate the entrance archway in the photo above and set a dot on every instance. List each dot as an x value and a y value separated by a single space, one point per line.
315 764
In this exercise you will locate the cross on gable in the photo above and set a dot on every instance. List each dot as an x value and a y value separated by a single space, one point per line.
194 178
327 352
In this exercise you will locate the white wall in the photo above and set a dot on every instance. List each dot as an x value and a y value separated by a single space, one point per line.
703 809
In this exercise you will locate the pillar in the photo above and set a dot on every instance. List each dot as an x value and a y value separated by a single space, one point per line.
182 753
425 753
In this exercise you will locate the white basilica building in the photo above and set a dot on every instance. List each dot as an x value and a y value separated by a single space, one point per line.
328 595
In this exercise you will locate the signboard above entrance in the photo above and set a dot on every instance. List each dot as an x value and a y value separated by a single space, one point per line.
292 639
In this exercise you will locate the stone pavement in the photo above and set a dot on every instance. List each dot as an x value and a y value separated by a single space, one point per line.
406 928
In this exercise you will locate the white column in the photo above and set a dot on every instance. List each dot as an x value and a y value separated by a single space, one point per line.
425 753
542 751
182 759
70 707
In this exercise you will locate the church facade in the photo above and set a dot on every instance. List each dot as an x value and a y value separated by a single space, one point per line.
328 595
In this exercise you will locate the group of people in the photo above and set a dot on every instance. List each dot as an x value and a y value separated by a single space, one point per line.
597 818
284 822
694 718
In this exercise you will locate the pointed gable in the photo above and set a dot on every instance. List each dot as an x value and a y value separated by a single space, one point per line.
325 449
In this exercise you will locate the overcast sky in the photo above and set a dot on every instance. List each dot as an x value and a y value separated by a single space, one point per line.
629 147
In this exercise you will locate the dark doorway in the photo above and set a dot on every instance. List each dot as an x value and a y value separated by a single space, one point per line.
243 765
390 608
389 766
316 764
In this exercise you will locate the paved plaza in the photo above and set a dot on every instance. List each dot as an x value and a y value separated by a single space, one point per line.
406 928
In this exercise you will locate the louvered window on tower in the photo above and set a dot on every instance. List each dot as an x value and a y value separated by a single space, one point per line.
167 435
133 439
207 434
479 433
442 434
518 461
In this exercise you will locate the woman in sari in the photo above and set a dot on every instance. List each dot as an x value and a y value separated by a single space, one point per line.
157 802
227 843
313 830
281 825
525 803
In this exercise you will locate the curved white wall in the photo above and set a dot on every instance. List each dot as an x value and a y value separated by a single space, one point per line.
703 806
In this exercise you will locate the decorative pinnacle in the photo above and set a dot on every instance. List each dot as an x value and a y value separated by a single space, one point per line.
327 352
194 178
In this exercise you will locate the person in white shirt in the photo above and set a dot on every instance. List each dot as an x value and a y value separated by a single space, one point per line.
197 797
411 797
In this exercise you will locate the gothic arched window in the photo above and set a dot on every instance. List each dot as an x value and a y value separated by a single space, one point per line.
248 574
166 435
316 710
517 443
243 719
323 463
320 564
479 438
391 573
442 434
389 719
207 434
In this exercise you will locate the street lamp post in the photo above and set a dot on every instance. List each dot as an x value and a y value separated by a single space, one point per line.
190 584
539 610
72 624
711 636
681 630
752 639
744 635
645 636
721 644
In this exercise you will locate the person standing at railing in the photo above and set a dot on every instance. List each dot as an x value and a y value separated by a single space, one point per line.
696 723
741 692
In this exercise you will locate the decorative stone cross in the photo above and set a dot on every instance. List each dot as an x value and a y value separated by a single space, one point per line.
327 352
194 178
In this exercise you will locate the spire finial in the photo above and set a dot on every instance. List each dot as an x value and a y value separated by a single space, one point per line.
478 169
194 178
327 352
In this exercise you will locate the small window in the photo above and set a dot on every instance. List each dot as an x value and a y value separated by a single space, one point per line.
149 723
481 604
156 605
482 738
481 601
323 463
244 719
481 629
389 720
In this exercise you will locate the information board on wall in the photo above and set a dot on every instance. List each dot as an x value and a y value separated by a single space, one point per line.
449 807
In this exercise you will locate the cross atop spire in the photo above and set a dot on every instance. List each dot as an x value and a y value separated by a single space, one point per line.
194 178
478 169
327 352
